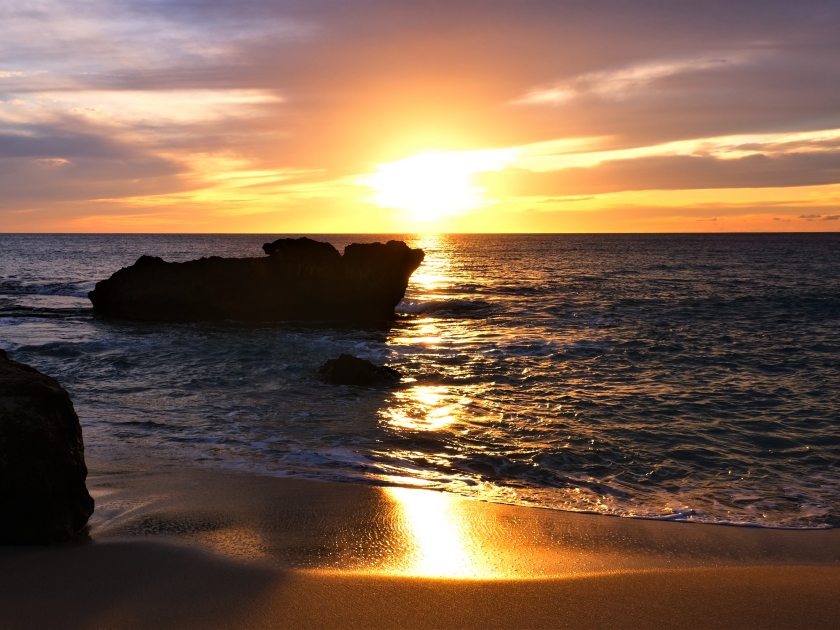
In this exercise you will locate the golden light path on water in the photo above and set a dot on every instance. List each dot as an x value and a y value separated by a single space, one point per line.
437 534
436 271
431 406
424 408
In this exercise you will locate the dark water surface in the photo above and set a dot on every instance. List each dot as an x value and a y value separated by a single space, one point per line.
684 377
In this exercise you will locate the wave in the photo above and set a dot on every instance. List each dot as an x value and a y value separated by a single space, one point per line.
64 289
445 308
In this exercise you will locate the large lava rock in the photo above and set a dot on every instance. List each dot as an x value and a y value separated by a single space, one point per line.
43 497
350 370
300 279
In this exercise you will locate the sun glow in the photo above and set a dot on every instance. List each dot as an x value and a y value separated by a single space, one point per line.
435 184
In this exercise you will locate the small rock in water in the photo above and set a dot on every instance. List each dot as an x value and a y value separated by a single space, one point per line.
350 370
43 498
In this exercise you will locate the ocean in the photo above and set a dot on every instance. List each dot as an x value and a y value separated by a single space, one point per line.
681 377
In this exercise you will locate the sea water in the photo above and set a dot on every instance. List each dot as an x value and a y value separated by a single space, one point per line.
687 377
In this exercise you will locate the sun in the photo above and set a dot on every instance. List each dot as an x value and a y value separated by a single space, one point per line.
435 184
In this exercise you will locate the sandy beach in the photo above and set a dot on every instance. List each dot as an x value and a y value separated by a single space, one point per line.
177 547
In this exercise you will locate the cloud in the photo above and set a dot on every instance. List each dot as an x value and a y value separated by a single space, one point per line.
704 164
831 217
619 84
583 152
172 88
56 166
137 107
102 37
809 217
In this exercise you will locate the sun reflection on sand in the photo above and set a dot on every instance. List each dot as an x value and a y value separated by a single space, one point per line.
439 546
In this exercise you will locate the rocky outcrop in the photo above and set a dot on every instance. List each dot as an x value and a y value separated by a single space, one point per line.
350 370
43 497
300 279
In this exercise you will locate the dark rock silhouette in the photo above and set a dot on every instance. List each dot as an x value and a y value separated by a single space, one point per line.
301 249
300 279
350 370
43 498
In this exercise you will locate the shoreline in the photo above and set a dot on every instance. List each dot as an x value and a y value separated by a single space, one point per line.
412 531
186 547
242 468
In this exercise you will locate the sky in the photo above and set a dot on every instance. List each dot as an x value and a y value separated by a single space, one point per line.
397 116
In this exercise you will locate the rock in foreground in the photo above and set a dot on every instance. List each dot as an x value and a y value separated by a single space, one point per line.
300 279
43 497
350 370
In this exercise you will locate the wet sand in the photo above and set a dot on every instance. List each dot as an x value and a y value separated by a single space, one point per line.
179 547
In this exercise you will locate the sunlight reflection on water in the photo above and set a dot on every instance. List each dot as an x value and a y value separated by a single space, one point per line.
424 408
435 272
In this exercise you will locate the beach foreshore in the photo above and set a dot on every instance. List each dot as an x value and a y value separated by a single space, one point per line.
170 546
